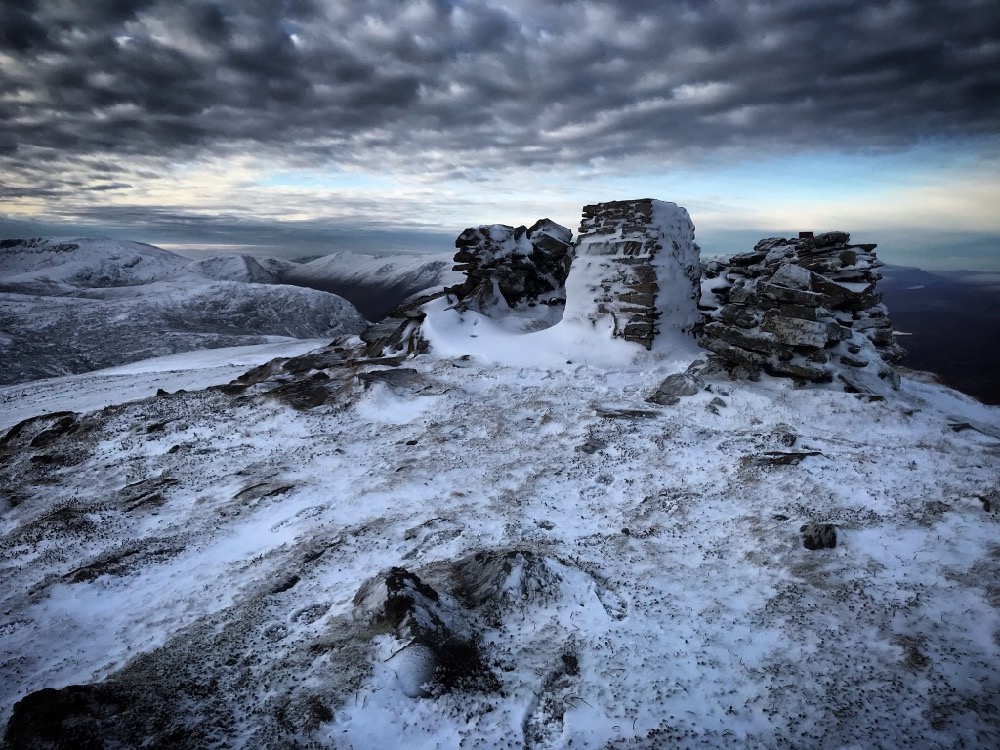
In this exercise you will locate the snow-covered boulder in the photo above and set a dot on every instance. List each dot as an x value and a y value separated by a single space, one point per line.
515 275
510 267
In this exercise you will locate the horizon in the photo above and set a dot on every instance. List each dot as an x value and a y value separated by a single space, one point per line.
316 128
427 243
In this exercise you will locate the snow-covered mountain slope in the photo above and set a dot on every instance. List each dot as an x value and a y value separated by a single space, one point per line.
46 336
51 265
89 391
70 306
283 562
232 267
372 284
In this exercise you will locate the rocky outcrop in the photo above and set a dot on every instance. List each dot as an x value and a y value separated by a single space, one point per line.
637 265
806 309
512 266
441 651
505 268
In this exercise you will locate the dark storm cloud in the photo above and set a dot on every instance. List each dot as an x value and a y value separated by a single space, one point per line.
554 82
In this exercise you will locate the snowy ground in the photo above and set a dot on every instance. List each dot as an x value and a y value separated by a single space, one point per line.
204 550
137 380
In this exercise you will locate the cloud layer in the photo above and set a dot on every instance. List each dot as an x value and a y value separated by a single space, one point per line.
534 82
101 98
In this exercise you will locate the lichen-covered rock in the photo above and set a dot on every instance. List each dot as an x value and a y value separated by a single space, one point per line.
806 309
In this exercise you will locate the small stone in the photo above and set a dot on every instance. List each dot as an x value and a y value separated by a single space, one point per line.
678 384
819 536
592 446
663 400
715 404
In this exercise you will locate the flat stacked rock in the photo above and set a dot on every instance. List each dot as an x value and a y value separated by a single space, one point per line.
637 265
516 265
806 309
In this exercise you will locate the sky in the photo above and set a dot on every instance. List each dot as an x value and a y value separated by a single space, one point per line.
304 127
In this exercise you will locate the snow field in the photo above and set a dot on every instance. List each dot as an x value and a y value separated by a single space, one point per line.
659 591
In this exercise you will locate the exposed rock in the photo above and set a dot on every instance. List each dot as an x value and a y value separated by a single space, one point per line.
399 331
819 536
806 309
512 265
614 413
441 651
673 387
637 266
402 377
715 404
784 458
71 717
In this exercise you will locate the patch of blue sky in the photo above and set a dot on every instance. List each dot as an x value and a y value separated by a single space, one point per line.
801 178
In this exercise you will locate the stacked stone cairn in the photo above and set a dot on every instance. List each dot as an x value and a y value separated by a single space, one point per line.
802 308
636 263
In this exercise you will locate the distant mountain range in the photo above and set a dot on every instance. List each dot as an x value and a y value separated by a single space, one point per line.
73 305
374 285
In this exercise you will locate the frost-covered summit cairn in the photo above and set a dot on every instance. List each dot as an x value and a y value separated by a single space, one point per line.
512 266
805 309
505 268
637 265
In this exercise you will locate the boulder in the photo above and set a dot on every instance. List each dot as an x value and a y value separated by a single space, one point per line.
515 265
819 536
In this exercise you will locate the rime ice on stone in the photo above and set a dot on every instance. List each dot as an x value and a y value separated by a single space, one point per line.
518 265
637 266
